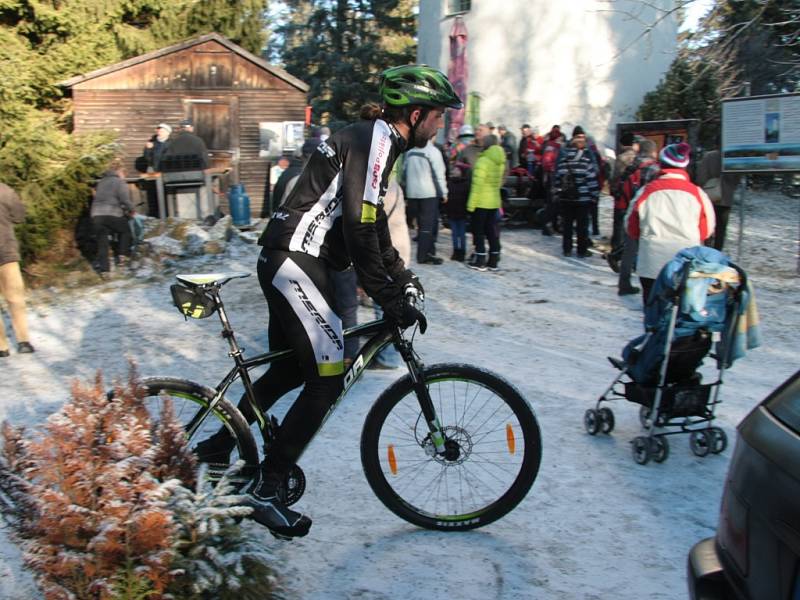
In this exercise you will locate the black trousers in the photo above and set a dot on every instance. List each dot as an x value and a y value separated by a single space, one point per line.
618 233
647 284
485 227
345 298
104 226
412 213
551 208
721 213
300 298
595 214
428 218
575 213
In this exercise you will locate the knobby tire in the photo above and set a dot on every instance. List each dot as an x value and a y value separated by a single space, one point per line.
497 445
187 399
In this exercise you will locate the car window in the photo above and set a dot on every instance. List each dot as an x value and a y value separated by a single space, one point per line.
784 402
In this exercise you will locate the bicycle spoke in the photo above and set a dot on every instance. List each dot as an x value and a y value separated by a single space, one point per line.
481 467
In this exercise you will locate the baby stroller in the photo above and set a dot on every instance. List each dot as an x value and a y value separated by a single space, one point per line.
695 304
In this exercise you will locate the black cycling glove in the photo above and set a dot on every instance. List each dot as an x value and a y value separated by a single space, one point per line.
402 312
408 279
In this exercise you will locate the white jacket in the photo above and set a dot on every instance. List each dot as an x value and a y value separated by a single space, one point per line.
424 173
668 214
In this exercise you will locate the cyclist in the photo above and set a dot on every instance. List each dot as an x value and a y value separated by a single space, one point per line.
333 217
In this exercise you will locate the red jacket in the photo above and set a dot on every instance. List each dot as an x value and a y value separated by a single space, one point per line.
530 148
668 214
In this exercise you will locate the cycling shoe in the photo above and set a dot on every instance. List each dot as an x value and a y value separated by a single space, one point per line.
282 522
271 512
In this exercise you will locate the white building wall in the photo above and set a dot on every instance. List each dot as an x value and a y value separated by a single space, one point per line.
564 62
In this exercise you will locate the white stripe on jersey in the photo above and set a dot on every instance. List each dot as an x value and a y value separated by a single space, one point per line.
378 156
310 232
322 325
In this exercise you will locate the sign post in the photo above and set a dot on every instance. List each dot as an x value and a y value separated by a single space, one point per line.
760 134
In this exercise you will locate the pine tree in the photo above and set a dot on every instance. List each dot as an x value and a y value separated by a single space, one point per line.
243 22
759 40
43 43
687 91
740 43
340 47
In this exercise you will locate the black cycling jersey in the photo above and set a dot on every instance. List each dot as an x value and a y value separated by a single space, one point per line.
335 212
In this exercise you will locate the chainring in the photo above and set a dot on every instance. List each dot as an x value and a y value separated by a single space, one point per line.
294 484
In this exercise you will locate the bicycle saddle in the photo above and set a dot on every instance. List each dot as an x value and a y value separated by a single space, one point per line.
193 280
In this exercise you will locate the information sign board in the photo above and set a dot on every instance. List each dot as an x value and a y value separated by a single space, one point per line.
761 133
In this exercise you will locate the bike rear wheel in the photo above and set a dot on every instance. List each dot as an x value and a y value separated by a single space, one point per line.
493 444
188 400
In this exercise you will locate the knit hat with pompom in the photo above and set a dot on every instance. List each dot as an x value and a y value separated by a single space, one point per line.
676 155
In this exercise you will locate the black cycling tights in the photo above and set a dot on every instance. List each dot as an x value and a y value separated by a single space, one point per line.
298 293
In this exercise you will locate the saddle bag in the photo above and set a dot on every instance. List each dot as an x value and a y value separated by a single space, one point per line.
192 303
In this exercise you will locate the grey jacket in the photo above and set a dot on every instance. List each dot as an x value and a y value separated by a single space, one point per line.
112 198
424 173
12 211
710 167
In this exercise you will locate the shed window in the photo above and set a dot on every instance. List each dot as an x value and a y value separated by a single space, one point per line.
455 7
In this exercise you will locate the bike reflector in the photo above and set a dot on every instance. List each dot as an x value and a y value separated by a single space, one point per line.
192 303
510 439
392 459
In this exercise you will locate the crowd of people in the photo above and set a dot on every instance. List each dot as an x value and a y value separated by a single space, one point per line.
462 183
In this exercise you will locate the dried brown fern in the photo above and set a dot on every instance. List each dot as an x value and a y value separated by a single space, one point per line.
101 507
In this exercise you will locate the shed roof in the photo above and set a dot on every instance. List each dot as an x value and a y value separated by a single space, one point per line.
260 62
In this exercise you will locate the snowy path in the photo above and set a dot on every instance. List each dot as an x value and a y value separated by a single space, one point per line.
595 525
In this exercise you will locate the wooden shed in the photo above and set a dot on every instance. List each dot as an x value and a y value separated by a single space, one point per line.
225 89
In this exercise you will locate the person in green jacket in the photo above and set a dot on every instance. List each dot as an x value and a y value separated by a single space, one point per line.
484 203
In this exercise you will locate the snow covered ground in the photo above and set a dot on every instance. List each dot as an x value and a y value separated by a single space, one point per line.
595 525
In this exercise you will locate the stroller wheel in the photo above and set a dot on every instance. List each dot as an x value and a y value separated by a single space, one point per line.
641 449
719 440
700 442
591 421
659 448
606 416
644 416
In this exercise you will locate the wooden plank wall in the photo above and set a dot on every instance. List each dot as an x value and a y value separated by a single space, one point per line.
256 107
133 115
131 101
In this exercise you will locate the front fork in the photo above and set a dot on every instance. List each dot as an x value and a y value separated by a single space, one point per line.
416 370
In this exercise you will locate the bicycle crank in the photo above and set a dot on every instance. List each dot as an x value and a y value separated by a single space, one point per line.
294 484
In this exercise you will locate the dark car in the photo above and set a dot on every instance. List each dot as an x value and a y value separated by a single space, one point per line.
756 552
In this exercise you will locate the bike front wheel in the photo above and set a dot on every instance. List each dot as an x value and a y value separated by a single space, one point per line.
492 440
189 402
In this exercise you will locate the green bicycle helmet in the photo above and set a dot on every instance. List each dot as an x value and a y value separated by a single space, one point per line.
418 85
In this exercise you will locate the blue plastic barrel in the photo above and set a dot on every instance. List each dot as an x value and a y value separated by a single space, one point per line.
239 203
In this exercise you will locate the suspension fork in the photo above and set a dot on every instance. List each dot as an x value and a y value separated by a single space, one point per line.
416 370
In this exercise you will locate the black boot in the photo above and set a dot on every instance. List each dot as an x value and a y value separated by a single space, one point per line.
494 258
270 511
480 262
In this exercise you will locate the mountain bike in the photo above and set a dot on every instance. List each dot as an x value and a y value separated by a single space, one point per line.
447 446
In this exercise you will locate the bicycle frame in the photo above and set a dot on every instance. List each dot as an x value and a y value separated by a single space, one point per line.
380 332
